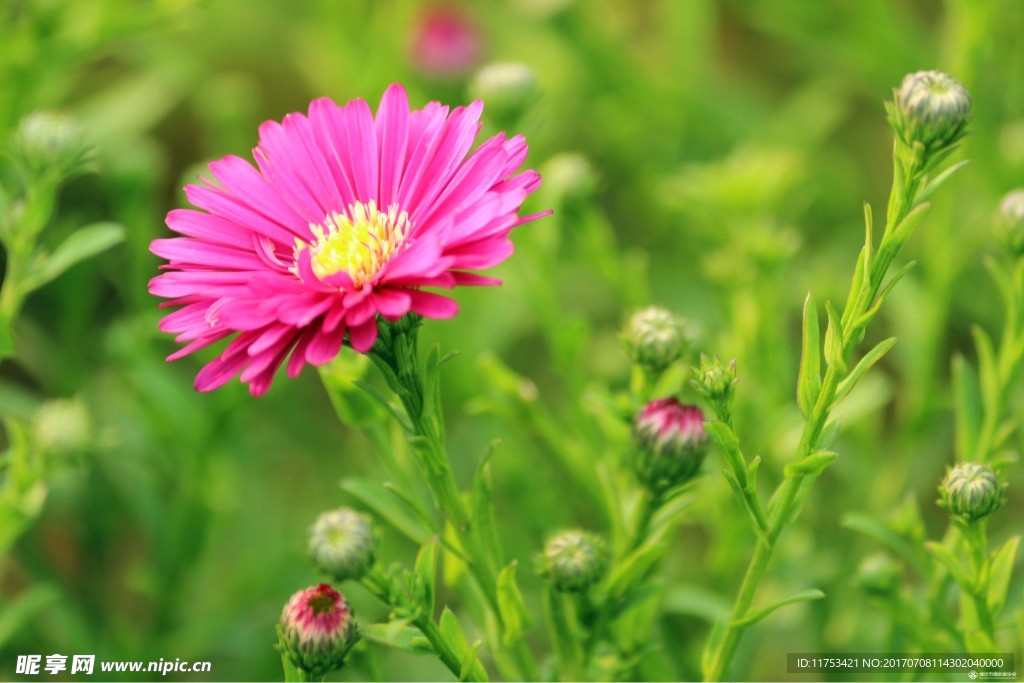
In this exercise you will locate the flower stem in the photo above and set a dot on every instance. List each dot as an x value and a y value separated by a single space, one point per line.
397 355
866 293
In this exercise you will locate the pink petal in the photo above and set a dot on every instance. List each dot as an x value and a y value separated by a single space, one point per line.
431 305
362 338
392 139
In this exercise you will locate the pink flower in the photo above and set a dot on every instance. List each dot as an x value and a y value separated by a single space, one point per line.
347 217
445 42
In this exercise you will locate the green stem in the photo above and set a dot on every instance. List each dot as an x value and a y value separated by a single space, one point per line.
909 173
433 458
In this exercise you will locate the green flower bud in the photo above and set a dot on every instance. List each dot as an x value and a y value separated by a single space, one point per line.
931 108
573 561
508 89
1011 222
570 177
654 338
879 574
971 491
341 544
50 143
671 443
62 426
316 631
714 381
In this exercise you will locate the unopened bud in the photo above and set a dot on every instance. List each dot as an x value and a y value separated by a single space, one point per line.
50 143
1011 222
570 177
971 491
316 631
575 560
931 108
654 338
879 574
62 426
715 381
508 89
672 443
341 544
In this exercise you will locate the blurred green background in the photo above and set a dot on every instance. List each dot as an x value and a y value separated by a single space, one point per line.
724 148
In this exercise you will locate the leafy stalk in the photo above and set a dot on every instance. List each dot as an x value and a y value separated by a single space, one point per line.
818 396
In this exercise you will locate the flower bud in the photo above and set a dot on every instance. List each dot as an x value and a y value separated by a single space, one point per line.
878 574
714 381
508 89
971 491
341 544
50 143
62 426
446 42
672 443
654 338
570 177
931 108
1011 221
575 560
317 630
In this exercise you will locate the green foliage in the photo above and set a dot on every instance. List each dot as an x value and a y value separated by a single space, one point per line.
708 157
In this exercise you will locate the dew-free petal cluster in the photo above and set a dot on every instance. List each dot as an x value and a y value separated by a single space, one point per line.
346 216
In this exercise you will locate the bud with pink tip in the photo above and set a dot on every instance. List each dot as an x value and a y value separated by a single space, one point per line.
672 443
317 629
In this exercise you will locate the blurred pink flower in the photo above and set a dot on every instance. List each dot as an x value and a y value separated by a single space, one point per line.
346 217
445 41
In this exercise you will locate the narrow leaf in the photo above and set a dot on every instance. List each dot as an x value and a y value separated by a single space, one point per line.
811 466
928 190
388 507
1000 571
968 410
511 606
397 634
834 340
80 245
802 596
809 381
873 528
426 574
865 364
988 373
946 557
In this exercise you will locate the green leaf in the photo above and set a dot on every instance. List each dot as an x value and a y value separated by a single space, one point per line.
426 574
388 507
1000 571
802 596
946 557
968 410
693 600
865 364
484 525
453 636
873 528
511 606
634 568
397 634
809 382
988 372
469 667
928 190
80 245
834 354
811 466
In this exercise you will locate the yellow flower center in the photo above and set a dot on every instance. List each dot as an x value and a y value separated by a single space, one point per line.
359 243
